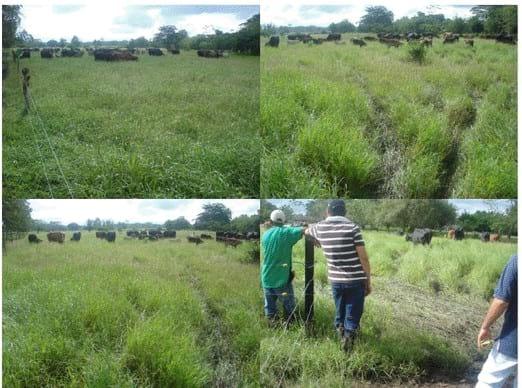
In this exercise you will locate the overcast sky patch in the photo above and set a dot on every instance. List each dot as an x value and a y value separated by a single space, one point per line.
131 210
283 13
123 22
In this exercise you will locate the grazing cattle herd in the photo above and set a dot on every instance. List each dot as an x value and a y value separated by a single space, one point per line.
392 39
229 238
108 54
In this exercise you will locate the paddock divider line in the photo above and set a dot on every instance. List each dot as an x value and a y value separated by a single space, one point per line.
42 160
37 114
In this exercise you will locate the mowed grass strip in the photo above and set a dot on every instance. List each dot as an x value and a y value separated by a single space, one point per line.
174 126
370 122
420 322
131 313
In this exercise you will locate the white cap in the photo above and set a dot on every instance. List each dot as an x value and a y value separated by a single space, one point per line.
278 216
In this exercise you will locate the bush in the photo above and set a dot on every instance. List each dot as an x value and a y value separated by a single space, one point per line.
417 52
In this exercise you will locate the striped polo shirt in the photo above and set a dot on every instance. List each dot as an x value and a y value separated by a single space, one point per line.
338 237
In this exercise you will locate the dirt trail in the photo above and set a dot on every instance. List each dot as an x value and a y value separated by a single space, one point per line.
454 317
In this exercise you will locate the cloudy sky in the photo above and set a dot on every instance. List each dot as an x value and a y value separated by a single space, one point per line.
282 13
462 205
117 21
132 210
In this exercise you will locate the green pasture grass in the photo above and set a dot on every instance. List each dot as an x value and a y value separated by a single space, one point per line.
410 332
130 313
367 122
174 126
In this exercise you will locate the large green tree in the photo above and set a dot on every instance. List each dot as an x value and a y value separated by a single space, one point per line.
10 21
376 19
248 36
169 37
215 216
16 218
179 223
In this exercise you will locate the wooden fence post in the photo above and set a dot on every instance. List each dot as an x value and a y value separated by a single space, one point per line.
25 88
309 283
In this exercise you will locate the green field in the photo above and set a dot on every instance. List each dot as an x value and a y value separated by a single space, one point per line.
130 314
174 126
419 326
340 120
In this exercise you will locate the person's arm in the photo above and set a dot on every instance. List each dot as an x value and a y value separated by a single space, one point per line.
496 309
365 262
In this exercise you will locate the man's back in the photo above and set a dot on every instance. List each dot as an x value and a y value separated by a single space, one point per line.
277 263
339 237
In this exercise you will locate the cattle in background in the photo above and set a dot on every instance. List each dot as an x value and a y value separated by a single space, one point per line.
76 236
451 234
174 51
101 235
317 40
410 36
234 242
420 236
110 55
155 52
72 52
302 37
58 237
194 240
390 42
484 236
427 42
292 42
33 238
156 233
494 237
47 53
132 233
252 236
273 42
450 37
469 42
370 38
333 36
459 233
505 38
210 53
169 234
111 236
206 236
358 42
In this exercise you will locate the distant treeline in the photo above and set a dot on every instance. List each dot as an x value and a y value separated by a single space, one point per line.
244 41
17 221
387 214
486 19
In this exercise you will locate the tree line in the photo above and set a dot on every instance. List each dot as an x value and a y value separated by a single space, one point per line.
390 214
487 19
244 41
17 221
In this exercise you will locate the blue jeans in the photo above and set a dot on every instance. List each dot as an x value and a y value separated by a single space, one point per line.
285 295
349 305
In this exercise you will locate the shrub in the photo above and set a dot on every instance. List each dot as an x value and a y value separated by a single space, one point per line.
417 52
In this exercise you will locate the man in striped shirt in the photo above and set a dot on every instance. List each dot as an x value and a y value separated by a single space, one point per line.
348 268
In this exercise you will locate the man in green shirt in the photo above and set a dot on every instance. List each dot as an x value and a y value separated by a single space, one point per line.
276 271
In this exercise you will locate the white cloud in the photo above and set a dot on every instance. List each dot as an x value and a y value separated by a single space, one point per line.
285 13
132 210
206 23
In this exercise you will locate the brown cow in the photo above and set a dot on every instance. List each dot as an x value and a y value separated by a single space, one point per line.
451 234
194 240
494 237
469 42
58 237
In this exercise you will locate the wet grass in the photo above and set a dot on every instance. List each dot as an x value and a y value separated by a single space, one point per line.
410 333
174 126
130 314
339 120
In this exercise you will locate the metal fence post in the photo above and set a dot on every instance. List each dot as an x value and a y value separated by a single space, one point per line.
25 88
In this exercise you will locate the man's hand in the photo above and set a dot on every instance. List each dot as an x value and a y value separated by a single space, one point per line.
368 287
483 335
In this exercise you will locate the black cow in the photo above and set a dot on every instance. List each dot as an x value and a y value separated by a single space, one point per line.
210 53
156 52
169 234
113 55
420 236
459 233
33 238
484 236
156 233
58 237
111 236
358 42
72 52
47 53
132 233
194 240
101 235
206 236
332 37
76 236
505 38
174 51
273 42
